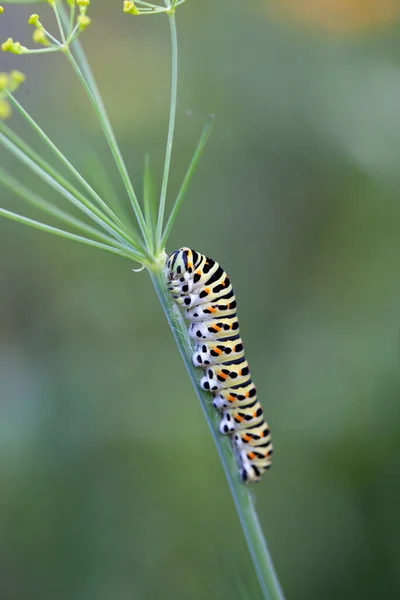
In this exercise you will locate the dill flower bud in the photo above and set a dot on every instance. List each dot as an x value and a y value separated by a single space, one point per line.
3 81
130 8
34 20
39 37
83 22
14 47
5 109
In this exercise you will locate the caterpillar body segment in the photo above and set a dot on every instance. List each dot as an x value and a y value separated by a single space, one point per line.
217 351
203 289
238 395
225 307
220 376
234 419
214 328
257 435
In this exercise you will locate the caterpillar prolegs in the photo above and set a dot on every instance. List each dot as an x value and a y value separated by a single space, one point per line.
201 286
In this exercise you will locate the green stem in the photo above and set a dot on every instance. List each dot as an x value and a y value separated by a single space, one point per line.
100 220
241 494
66 234
41 50
87 81
38 202
45 166
189 173
171 126
112 219
59 24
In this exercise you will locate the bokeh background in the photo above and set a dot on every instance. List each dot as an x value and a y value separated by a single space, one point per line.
110 486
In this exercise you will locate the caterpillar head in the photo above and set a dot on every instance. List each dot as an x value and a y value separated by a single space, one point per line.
179 263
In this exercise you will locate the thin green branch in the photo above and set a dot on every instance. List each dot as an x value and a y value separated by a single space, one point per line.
189 173
241 494
59 23
115 222
150 203
38 202
45 166
71 20
87 80
59 188
171 126
66 234
42 50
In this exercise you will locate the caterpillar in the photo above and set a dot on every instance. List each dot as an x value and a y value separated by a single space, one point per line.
201 286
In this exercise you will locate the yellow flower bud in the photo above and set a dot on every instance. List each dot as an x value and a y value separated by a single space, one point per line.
5 109
1 10
130 8
13 47
83 22
3 81
15 80
6 46
34 20
17 77
84 3
39 37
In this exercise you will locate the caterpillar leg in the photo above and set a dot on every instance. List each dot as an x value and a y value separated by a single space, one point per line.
251 472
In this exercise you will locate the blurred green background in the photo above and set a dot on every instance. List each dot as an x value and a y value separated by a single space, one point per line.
110 486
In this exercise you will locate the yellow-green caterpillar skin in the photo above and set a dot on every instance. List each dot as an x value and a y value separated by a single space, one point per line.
201 286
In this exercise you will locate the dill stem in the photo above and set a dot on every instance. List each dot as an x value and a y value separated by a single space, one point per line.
241 494
171 125
87 81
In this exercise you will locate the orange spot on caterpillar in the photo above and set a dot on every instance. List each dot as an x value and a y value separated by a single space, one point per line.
247 438
251 455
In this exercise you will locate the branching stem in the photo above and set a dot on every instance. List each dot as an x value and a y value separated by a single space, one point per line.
171 126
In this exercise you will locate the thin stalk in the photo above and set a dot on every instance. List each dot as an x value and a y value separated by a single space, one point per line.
116 222
171 125
241 495
66 234
59 24
100 220
36 158
87 81
71 20
189 173
38 202
149 199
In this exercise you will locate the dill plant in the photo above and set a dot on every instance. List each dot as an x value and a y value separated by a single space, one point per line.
110 231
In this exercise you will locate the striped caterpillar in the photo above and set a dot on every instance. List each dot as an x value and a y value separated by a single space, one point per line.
201 286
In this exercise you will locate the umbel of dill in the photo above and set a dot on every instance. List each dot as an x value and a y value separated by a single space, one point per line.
144 242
